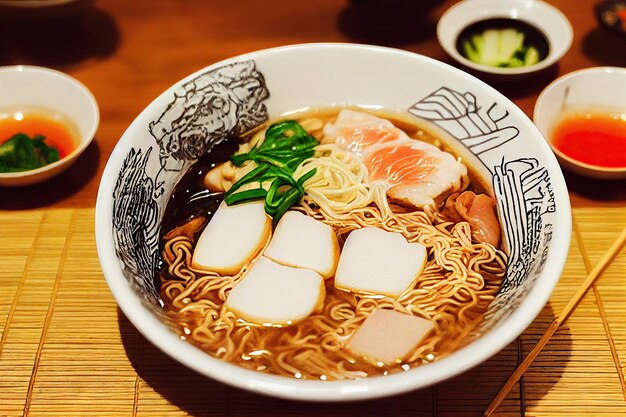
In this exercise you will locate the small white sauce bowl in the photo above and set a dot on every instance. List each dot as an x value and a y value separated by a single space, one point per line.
547 19
598 90
43 88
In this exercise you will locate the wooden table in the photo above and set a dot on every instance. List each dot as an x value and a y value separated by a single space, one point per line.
65 347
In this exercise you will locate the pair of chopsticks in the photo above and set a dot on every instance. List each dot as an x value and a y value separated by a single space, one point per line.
558 321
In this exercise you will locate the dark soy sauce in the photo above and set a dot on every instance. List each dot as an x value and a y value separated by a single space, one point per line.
180 209
532 35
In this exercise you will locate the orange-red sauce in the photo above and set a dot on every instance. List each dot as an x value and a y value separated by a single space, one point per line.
58 131
594 139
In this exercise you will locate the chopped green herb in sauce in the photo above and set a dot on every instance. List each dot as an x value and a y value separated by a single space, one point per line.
503 43
22 153
500 48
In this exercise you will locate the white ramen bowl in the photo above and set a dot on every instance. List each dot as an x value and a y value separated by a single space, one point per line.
489 131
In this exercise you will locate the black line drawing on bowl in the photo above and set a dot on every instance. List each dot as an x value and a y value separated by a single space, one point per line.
136 221
522 188
524 195
460 115
227 100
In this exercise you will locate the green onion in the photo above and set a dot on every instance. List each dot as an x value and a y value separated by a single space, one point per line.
285 147
246 196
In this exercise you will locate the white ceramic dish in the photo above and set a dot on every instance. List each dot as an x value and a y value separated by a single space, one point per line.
43 88
239 93
546 18
591 90
40 9
34 4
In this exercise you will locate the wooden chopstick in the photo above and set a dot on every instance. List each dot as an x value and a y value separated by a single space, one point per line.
558 321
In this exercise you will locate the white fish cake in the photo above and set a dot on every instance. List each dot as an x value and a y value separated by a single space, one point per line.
277 295
301 241
388 336
374 261
234 237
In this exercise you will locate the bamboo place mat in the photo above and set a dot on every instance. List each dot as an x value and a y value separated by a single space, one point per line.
67 350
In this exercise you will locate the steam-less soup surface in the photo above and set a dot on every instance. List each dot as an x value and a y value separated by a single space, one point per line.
592 138
336 244
31 138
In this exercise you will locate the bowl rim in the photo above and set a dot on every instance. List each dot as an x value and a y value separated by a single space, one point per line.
554 54
556 83
35 4
84 141
459 361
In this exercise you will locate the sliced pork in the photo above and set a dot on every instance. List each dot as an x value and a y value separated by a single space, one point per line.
479 210
417 173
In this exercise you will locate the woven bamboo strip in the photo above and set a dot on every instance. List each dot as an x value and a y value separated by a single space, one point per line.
89 355
589 382
51 306
14 261
599 231
24 331
83 369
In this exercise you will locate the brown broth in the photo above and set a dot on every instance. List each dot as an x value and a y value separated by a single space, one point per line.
180 210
